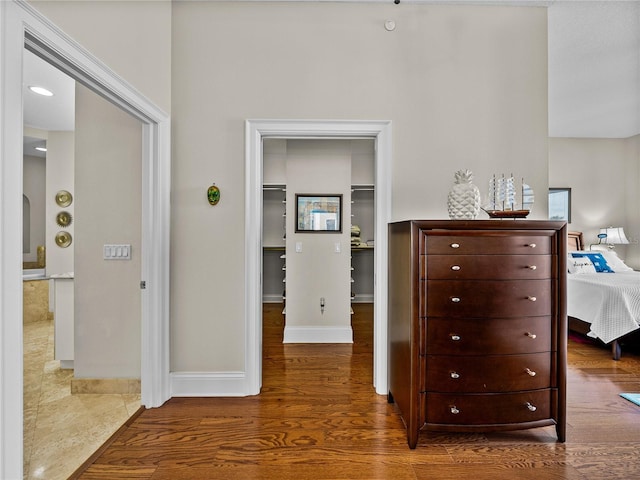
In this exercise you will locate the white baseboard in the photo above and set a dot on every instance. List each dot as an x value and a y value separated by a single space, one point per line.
318 334
208 384
66 364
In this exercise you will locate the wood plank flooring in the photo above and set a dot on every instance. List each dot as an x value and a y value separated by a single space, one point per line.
318 418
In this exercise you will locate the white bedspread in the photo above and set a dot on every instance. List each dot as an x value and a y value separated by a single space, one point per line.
610 302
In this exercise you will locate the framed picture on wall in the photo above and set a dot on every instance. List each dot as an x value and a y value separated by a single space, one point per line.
318 213
560 204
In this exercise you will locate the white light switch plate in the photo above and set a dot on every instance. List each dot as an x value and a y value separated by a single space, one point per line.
116 252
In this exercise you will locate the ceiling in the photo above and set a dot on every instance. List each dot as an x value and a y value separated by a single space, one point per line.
594 72
46 113
594 69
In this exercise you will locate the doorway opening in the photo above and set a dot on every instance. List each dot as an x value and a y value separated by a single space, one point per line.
256 132
24 27
69 347
318 275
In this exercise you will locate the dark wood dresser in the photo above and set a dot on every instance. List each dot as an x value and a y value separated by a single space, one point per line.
477 325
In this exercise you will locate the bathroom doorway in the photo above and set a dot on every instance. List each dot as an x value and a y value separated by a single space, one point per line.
66 352
22 26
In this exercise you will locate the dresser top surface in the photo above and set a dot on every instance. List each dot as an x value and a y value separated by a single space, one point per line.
484 224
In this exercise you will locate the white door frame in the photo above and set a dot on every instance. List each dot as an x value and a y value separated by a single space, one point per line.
20 25
255 132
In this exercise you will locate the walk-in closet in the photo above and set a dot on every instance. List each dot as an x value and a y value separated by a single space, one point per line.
318 274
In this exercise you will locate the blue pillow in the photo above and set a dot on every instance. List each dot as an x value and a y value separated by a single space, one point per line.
597 259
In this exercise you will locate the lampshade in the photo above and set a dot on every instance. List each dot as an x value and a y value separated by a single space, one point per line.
615 235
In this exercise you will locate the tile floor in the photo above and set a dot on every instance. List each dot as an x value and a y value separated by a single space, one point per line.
62 430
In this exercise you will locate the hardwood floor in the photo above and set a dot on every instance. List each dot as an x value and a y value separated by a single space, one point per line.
319 418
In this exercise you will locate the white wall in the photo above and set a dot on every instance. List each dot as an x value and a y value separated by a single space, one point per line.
275 172
363 173
60 176
43 178
133 37
273 221
318 167
632 224
362 212
34 179
363 215
604 181
465 87
108 204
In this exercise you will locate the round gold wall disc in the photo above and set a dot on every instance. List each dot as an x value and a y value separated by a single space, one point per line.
64 219
64 198
63 239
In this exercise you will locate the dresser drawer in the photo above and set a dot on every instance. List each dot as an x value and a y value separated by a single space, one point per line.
507 267
488 373
489 243
488 409
473 336
488 298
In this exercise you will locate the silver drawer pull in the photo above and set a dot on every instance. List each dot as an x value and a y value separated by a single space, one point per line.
531 245
532 267
455 410
455 268
455 299
532 298
455 245
455 375
531 373
532 336
454 337
531 407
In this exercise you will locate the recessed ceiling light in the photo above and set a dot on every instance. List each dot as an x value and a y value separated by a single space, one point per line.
41 91
41 149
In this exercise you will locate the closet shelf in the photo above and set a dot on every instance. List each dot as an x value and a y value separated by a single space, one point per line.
274 248
364 187
279 187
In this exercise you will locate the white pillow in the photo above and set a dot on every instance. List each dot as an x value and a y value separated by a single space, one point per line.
579 265
615 262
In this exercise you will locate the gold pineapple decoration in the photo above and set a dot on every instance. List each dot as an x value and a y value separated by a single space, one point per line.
463 202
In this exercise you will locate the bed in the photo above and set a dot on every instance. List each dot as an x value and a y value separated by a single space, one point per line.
603 295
